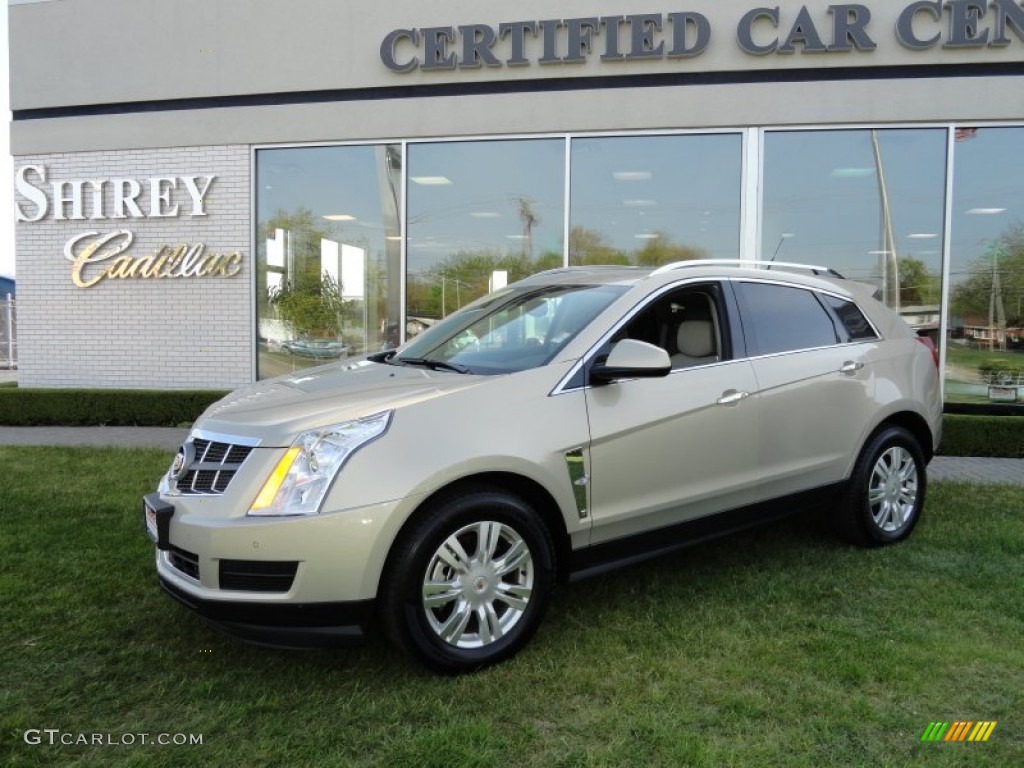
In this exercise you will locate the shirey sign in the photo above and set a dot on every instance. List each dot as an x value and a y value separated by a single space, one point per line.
96 256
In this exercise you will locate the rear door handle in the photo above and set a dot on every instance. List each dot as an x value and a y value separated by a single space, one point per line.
850 367
732 397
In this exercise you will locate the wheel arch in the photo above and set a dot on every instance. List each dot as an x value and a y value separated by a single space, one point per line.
866 510
915 424
526 488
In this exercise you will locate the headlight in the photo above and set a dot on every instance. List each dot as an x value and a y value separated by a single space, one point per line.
302 477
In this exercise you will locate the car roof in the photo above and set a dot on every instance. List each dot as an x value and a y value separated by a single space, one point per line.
592 274
802 274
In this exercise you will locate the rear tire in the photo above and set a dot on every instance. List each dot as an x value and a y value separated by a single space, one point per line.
468 585
886 492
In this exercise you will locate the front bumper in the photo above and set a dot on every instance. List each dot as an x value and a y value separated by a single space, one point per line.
294 582
283 625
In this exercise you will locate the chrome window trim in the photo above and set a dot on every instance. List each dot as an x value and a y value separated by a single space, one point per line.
562 386
810 349
814 289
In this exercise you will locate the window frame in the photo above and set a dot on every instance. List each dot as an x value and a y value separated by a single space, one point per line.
733 345
841 326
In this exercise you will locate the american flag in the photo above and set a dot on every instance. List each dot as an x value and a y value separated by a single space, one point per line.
964 134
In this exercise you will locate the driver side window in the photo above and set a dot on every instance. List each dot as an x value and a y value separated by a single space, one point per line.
686 323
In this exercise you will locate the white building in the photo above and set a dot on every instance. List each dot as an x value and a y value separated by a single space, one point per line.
177 164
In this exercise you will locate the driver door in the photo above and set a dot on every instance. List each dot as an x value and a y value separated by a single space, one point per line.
672 449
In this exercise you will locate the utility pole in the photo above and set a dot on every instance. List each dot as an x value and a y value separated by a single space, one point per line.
890 285
996 311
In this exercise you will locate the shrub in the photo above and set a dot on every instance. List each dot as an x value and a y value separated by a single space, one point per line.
1002 371
998 436
102 407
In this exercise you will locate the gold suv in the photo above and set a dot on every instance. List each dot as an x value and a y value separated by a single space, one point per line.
580 419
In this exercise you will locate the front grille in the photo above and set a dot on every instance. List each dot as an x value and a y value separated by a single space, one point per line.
257 575
186 562
214 466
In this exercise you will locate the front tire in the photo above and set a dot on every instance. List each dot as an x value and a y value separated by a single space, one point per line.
468 585
886 491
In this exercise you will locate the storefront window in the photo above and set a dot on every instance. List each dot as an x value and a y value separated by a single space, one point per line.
481 214
867 203
655 199
985 339
328 254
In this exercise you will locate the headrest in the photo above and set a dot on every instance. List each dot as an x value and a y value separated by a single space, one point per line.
696 338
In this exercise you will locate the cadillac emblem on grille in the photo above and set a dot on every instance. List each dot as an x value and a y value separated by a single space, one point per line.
182 460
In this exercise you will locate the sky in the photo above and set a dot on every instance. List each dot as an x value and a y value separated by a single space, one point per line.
6 162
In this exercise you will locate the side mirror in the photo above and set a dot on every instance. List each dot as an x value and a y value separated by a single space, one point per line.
632 359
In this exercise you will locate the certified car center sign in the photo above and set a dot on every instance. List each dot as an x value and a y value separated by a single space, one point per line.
97 255
758 31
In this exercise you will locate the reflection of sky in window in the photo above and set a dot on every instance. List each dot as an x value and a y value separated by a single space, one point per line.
988 193
329 181
821 197
685 187
821 191
465 197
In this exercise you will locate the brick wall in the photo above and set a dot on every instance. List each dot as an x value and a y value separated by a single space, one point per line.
171 333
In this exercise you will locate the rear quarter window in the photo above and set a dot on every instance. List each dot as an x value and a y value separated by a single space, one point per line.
853 320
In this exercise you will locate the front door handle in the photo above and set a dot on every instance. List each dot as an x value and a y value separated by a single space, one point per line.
732 397
850 367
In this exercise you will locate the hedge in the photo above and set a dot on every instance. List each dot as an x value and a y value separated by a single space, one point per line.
1000 371
962 435
998 436
102 407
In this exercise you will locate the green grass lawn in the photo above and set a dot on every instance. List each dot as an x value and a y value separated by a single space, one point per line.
773 648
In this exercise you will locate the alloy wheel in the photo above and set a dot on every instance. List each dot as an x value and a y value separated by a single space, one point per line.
478 584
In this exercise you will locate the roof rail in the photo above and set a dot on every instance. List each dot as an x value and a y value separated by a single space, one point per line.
813 268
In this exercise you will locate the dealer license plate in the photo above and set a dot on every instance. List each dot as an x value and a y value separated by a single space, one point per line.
1002 394
150 516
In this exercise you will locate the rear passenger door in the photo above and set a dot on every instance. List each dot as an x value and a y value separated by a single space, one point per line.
811 353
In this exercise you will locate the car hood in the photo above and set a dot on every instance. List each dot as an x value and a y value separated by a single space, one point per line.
277 410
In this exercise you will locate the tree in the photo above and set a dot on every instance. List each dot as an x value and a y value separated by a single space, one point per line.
917 284
304 232
587 246
310 300
998 276
661 250
530 219
312 312
548 260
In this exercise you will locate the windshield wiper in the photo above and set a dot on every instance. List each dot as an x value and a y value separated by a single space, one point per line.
434 365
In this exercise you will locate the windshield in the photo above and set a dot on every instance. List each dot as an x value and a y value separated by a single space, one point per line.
511 330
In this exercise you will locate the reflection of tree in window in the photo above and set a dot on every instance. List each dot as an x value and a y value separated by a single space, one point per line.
308 299
465 276
918 285
991 296
588 246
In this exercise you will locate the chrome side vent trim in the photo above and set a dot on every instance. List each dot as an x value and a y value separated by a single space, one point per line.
578 477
